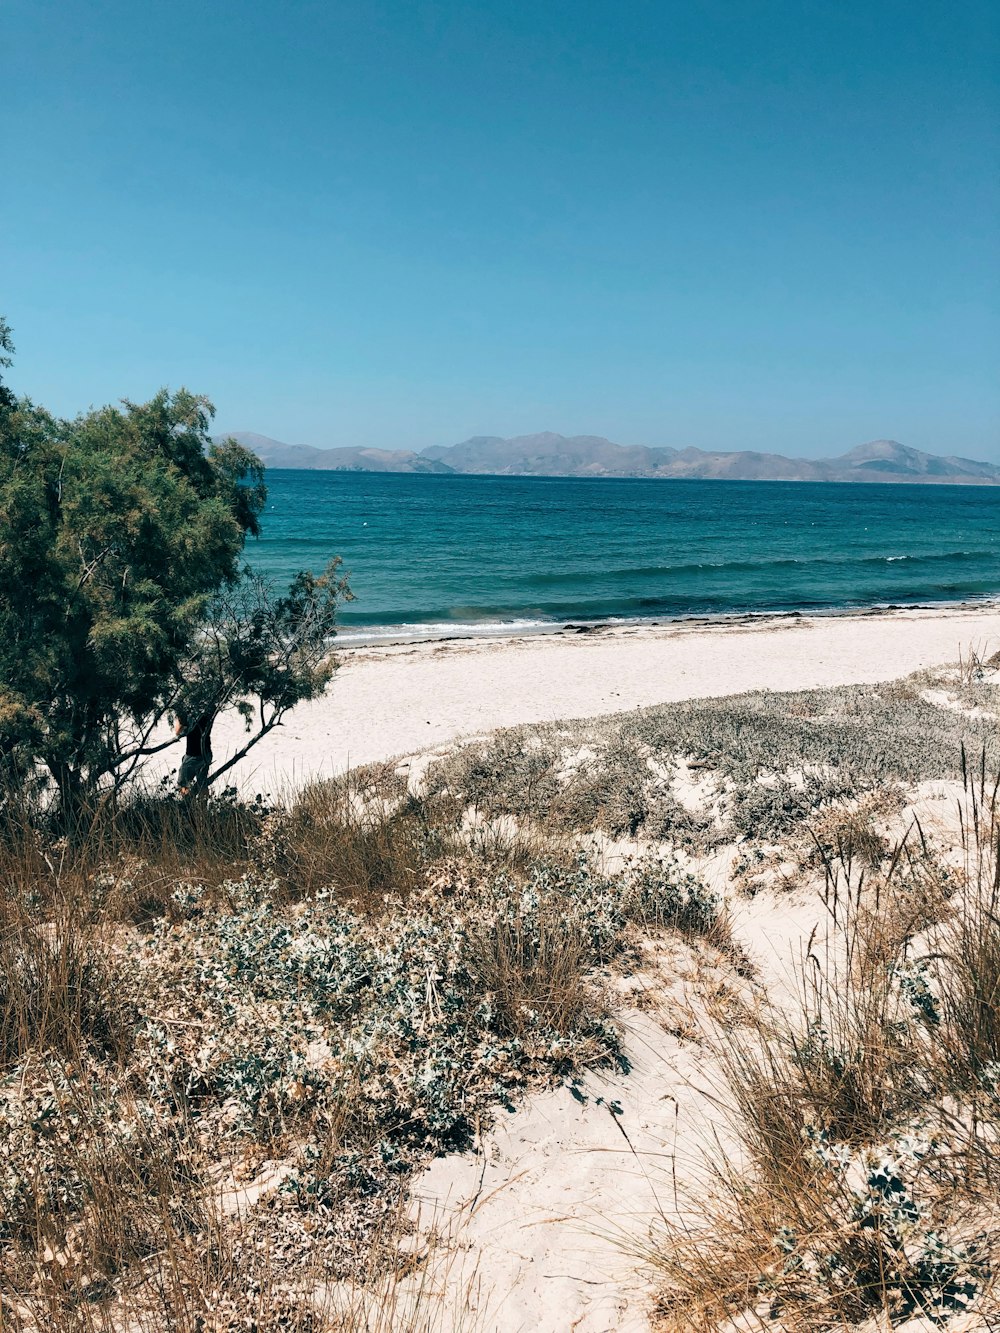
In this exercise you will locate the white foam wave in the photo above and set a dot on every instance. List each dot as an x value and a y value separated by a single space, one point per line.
445 629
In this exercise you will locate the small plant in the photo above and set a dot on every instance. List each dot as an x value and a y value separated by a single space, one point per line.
362 836
865 1156
886 1254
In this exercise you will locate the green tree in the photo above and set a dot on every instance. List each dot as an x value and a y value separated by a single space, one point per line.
262 653
7 401
121 536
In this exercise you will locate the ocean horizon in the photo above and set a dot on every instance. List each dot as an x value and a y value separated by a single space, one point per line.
437 556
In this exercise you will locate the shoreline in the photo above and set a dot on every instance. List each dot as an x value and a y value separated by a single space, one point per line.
389 701
374 636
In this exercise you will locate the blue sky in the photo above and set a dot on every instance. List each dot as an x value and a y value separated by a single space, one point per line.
730 223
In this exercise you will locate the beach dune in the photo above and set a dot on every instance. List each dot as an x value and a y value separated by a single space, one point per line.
406 698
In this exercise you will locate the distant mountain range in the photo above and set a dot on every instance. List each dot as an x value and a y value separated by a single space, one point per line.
550 455
302 457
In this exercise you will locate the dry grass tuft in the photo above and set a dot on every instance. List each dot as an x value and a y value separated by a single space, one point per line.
362 837
864 1116
57 991
535 964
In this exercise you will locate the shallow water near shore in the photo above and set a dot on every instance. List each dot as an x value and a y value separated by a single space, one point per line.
432 556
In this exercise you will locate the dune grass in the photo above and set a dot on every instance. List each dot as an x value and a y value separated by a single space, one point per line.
230 1032
863 1179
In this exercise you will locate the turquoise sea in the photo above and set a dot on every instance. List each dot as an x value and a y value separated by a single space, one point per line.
431 555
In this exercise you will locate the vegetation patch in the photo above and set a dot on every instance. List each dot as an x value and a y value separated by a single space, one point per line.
863 1184
777 761
326 1041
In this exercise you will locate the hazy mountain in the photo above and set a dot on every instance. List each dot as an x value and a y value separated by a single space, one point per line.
592 456
552 455
274 453
747 465
886 458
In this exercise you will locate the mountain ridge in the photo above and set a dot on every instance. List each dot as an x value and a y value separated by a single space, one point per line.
550 454
304 458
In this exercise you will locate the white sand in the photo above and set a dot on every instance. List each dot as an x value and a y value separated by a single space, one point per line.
556 1204
557 1208
388 701
547 1217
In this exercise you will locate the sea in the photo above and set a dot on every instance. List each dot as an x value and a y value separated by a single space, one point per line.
431 557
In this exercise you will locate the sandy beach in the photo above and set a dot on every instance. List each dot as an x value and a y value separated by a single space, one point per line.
401 699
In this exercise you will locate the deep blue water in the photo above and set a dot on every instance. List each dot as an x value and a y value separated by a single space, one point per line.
445 553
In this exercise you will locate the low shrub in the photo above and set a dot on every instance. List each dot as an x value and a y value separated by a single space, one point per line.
59 992
350 1044
864 1117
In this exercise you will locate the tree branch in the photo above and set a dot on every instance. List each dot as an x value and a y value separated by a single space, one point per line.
266 726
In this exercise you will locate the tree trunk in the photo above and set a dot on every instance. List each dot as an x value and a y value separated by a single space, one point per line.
71 805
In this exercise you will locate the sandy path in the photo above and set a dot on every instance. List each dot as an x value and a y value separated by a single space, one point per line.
396 700
554 1206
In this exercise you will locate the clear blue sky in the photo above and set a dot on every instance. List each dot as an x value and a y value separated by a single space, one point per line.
728 223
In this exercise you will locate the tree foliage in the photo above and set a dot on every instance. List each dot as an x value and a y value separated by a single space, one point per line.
121 586
268 653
